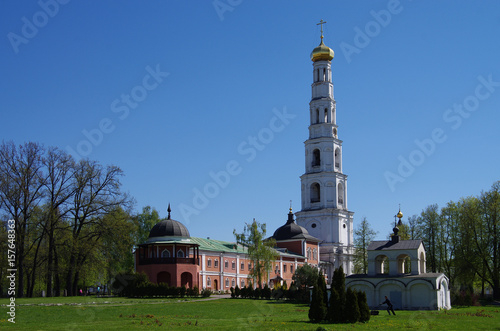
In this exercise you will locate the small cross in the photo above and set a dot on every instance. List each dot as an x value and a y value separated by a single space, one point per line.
321 23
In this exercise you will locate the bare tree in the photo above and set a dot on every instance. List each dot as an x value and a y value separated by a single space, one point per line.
21 188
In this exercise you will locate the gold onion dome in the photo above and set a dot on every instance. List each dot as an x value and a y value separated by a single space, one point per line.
400 214
322 52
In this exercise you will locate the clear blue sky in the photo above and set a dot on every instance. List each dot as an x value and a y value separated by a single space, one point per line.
402 70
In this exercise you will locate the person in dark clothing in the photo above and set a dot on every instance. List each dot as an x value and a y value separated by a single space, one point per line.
389 305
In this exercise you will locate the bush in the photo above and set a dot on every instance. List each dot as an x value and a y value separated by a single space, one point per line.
266 292
351 306
183 291
205 293
364 310
256 293
232 292
317 310
237 291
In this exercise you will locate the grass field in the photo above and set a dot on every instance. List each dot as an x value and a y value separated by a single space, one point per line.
77 313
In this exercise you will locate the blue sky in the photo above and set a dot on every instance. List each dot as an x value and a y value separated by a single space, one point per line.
173 92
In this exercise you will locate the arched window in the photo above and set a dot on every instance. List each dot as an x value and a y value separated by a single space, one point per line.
209 263
233 283
216 263
422 263
337 157
209 281
242 283
315 252
317 75
315 193
317 116
341 193
325 120
308 253
165 253
316 158
180 253
324 74
227 282
381 264
404 264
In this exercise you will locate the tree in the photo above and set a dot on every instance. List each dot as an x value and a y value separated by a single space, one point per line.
261 252
303 278
363 235
318 308
144 222
334 314
21 190
351 309
364 310
429 220
338 283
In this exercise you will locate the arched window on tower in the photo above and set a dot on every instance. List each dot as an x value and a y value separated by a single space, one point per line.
337 158
317 116
326 116
324 74
315 192
165 253
180 253
317 75
341 193
316 158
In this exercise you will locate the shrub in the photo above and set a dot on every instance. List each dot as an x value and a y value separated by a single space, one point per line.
232 292
266 292
256 293
183 291
351 307
237 291
205 293
364 310
334 313
317 310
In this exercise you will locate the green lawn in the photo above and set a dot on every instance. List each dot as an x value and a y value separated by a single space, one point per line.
222 314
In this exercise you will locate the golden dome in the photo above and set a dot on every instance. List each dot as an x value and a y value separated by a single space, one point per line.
400 215
322 53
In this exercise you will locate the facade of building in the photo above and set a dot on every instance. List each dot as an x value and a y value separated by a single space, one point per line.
172 256
396 269
324 185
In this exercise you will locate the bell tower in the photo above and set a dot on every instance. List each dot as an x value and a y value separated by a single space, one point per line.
324 210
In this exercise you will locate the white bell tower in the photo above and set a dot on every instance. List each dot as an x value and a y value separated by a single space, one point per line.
324 186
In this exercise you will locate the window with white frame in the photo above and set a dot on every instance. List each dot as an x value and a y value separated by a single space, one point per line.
227 282
284 268
308 252
216 263
209 281
180 253
233 283
209 263
233 265
226 264
242 266
165 253
315 252
249 266
242 283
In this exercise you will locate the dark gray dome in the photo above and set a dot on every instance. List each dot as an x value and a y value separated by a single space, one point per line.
169 228
291 231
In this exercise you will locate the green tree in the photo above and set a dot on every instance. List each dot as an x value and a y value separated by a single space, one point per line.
303 278
334 314
351 308
363 235
318 308
338 283
261 252
364 310
144 223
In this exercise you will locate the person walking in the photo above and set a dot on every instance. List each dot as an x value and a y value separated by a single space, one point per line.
389 305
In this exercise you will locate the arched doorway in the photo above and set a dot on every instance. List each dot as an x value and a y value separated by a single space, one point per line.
163 277
187 279
216 285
